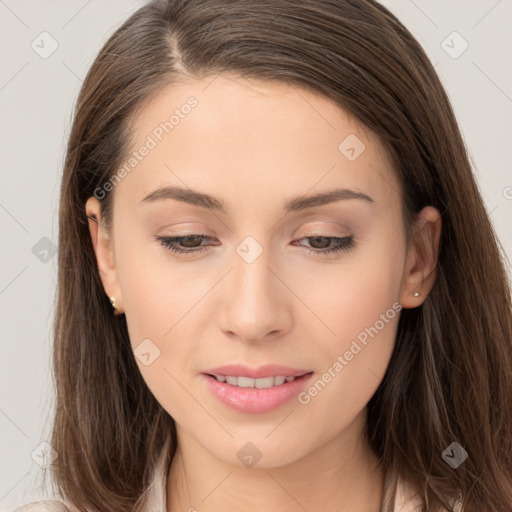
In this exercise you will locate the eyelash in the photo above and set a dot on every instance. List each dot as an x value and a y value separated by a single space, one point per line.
346 243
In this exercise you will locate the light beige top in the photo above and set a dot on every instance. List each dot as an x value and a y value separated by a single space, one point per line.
405 500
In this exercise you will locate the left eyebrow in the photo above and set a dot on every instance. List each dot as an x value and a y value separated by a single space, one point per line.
339 194
197 198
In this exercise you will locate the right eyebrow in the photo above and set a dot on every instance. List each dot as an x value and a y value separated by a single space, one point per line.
186 195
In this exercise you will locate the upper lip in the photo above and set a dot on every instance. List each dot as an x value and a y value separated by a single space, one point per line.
261 372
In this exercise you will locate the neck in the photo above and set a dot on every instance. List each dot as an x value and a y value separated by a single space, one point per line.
343 474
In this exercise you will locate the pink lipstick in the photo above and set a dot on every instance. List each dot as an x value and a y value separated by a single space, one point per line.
256 390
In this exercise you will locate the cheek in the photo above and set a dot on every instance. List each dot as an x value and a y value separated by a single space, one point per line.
161 302
157 292
351 294
354 362
361 308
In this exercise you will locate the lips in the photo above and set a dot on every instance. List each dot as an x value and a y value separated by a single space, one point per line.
269 370
255 390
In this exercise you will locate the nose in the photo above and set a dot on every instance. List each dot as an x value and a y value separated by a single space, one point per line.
255 305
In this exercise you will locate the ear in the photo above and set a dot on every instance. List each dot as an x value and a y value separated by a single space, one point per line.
422 254
104 250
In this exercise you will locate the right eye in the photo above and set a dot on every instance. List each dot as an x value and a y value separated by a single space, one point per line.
190 241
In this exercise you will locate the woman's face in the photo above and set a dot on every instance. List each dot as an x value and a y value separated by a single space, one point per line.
288 177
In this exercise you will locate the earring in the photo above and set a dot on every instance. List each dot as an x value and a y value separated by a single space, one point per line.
114 305
416 294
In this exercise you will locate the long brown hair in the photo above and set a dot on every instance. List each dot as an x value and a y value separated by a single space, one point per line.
450 375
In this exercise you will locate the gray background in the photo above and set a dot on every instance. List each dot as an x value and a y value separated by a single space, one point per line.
36 99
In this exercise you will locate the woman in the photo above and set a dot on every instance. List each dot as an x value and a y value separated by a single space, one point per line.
279 288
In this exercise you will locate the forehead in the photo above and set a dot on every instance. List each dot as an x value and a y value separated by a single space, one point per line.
252 140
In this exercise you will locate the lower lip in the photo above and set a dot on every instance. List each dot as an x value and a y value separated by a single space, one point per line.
253 400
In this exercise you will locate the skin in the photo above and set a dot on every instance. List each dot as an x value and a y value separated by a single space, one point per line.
255 145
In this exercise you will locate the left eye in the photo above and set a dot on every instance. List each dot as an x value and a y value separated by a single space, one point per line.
191 243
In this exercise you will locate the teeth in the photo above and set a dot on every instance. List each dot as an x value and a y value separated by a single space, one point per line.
247 382
265 383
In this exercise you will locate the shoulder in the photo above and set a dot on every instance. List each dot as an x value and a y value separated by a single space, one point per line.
407 500
45 506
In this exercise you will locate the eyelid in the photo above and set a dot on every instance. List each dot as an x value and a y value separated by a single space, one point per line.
345 243
324 223
322 231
